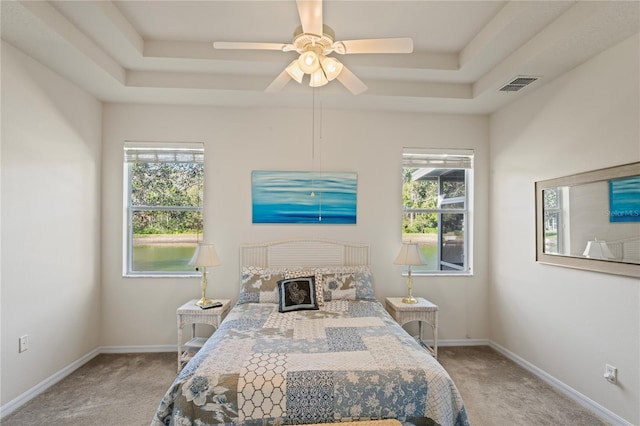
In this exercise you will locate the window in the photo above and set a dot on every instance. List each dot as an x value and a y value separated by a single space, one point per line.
163 207
436 200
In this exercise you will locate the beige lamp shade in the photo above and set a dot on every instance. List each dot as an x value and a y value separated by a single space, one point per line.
294 71
205 255
410 254
331 67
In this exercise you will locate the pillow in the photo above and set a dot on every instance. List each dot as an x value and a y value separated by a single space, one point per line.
296 294
296 273
260 285
346 283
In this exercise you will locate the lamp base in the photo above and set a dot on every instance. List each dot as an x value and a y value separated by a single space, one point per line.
409 299
204 302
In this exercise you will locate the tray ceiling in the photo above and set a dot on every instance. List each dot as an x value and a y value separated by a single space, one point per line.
464 52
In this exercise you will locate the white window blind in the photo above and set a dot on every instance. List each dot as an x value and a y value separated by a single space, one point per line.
437 158
158 152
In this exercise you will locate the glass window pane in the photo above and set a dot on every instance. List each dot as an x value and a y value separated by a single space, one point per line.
166 184
164 241
417 226
154 256
452 183
422 228
453 238
418 194
452 191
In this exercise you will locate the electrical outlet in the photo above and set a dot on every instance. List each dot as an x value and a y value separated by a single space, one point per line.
23 343
611 373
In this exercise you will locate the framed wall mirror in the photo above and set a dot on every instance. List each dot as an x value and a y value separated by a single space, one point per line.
591 220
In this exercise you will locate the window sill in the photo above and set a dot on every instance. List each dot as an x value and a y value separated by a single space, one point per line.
160 276
439 274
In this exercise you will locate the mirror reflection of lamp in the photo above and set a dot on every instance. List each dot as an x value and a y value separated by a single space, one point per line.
597 250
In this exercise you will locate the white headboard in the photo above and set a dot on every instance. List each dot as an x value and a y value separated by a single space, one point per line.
627 250
304 252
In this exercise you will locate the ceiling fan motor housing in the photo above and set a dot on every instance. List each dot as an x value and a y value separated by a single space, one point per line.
304 41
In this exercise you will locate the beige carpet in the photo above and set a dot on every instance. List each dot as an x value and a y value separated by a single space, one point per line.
112 387
107 389
496 391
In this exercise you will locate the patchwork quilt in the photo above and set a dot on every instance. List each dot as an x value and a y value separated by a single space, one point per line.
347 361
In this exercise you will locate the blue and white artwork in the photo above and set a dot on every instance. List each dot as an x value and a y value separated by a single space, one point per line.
624 199
304 197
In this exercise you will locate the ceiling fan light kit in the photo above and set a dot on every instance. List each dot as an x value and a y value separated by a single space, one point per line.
321 69
294 71
309 61
314 49
331 67
318 78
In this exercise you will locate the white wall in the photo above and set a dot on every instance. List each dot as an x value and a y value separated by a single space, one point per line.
141 311
51 160
566 322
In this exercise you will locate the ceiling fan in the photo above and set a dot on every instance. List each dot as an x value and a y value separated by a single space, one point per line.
314 41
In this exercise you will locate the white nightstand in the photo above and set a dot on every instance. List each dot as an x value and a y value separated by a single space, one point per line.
423 311
189 313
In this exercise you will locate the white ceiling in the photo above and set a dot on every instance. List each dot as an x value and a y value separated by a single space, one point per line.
464 51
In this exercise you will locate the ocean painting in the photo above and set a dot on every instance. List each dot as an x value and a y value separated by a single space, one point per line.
304 197
624 199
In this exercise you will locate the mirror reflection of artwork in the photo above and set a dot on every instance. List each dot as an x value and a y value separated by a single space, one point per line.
624 199
289 197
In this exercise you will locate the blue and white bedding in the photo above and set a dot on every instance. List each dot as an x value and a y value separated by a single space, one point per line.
346 361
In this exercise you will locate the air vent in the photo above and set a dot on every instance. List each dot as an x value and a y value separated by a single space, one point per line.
517 84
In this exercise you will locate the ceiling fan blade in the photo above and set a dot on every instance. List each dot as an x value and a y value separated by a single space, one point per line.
310 12
249 46
351 82
376 45
279 83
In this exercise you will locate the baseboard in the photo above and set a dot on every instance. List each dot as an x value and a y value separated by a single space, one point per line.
589 404
25 397
584 401
137 349
461 342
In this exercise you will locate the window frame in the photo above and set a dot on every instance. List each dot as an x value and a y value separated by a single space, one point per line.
450 159
195 149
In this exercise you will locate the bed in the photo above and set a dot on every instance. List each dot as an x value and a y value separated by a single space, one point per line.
334 355
626 250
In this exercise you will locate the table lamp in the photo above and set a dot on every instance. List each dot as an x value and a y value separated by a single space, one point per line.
204 256
409 255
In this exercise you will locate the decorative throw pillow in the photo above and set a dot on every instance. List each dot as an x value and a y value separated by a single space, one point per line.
296 294
260 285
347 283
296 273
